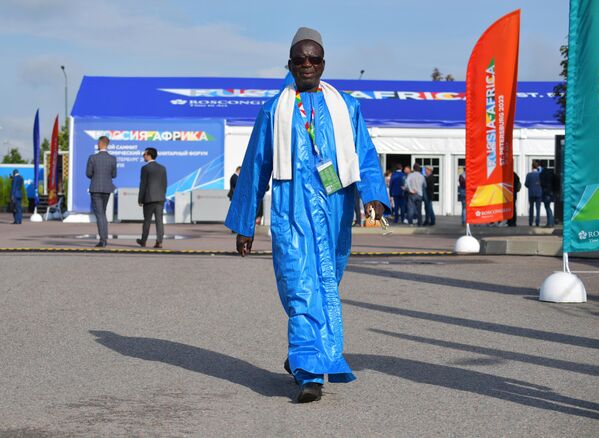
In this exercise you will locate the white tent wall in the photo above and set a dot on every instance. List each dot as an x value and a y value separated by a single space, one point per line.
236 143
446 144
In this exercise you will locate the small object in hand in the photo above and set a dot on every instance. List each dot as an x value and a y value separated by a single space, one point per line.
384 221
244 245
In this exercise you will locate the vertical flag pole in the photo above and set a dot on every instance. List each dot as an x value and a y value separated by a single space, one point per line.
580 151
36 217
491 82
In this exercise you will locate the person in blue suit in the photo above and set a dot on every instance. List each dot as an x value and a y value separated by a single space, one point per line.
535 194
16 196
314 142
396 188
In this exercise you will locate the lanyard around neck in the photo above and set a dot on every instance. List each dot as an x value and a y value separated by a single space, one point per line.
308 124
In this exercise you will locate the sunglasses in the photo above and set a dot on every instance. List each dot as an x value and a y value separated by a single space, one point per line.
313 60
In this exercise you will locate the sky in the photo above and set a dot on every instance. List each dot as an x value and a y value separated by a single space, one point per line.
388 39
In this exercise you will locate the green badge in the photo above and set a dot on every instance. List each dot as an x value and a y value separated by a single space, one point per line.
329 177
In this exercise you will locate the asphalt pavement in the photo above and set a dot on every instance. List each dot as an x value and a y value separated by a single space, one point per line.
216 238
163 345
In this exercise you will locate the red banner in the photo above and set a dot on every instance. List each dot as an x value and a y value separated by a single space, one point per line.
52 168
491 83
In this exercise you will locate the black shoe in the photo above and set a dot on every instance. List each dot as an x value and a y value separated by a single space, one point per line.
141 243
158 245
288 369
101 244
309 392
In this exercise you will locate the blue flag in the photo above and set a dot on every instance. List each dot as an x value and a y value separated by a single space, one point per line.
36 155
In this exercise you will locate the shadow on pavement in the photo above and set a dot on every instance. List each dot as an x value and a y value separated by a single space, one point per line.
199 360
579 341
444 281
591 370
460 379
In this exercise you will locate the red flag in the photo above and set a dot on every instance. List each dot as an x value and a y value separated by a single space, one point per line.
52 171
491 83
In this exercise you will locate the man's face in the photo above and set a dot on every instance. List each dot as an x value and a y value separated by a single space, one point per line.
428 171
306 65
407 170
146 156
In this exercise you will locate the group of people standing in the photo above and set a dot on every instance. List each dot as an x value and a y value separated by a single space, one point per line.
542 186
409 190
101 170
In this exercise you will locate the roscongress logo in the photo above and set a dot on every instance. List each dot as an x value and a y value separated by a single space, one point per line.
152 135
592 235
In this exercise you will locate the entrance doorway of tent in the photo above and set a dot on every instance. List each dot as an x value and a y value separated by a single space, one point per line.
392 160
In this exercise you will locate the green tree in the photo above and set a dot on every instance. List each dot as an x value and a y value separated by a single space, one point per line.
560 89
3 194
437 76
63 141
45 146
13 157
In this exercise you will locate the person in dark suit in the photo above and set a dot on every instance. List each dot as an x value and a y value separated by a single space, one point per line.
16 196
152 194
535 193
101 169
429 195
548 184
396 190
233 183
517 186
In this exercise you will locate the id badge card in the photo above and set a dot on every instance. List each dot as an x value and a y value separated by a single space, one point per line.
329 177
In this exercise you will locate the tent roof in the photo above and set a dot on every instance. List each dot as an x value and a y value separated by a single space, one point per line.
238 100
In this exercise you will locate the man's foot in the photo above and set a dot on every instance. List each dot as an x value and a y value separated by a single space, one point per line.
309 392
288 369
141 243
100 244
158 245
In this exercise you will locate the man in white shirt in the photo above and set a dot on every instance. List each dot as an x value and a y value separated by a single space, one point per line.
415 186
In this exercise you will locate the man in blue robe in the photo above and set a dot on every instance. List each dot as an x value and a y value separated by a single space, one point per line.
314 142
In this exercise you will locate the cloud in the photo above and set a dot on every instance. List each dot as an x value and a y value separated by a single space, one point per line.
539 60
272 72
42 71
108 28
14 132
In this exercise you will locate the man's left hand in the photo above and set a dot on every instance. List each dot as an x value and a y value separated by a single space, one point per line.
378 207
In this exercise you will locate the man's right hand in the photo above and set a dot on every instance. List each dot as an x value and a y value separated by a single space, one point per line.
244 245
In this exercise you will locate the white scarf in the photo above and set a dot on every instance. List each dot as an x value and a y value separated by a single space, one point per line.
347 158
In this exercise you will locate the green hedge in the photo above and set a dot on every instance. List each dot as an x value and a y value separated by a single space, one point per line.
5 186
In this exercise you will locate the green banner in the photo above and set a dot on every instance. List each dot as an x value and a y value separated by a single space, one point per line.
581 150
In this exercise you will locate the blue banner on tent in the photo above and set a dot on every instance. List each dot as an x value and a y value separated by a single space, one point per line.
191 151
384 103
